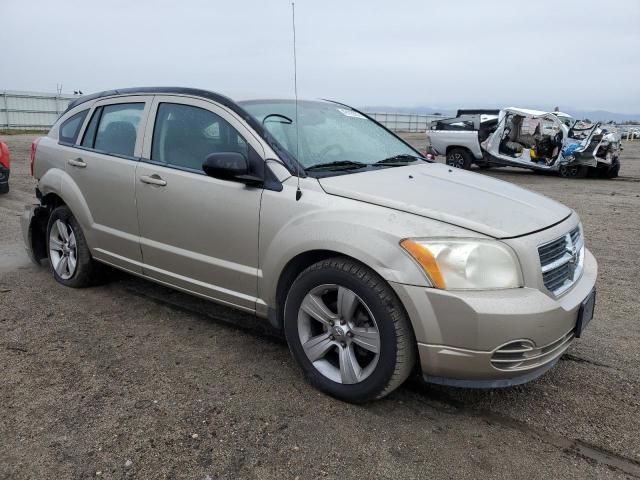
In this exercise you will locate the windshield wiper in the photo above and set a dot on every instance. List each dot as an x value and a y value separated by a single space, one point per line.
339 165
399 160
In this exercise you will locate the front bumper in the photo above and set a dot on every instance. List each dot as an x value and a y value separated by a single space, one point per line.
458 333
34 223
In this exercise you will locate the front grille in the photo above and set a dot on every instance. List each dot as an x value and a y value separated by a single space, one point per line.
523 354
561 261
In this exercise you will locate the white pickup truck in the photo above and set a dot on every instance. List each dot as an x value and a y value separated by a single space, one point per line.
516 137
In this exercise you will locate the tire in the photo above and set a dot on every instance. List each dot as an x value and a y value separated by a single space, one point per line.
575 171
369 302
459 158
85 271
614 171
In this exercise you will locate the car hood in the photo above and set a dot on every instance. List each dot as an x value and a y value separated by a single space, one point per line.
466 199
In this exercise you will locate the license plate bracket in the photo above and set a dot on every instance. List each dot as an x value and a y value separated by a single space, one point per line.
585 313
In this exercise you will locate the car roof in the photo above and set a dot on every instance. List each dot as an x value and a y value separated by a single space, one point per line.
197 92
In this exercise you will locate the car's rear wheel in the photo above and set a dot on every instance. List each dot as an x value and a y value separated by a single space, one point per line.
348 331
459 158
573 171
69 255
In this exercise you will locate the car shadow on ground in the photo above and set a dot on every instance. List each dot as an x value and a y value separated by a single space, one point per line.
260 328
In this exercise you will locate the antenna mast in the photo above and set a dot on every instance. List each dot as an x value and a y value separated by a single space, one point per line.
295 91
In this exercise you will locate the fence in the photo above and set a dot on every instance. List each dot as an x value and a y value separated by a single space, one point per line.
31 110
404 122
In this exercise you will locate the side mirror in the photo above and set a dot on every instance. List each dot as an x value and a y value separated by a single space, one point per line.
231 166
225 165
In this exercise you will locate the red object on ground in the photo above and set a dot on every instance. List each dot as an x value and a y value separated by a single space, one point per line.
5 155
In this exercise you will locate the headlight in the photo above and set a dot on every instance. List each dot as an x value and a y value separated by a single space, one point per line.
466 264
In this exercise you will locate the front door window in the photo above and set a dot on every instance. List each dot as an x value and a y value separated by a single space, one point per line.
184 135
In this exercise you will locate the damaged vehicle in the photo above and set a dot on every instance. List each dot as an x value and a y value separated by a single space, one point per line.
315 218
537 140
5 167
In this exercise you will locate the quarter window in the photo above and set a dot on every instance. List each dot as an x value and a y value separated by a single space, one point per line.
117 129
71 127
90 133
183 136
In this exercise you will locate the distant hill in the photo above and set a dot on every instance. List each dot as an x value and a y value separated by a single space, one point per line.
595 115
604 116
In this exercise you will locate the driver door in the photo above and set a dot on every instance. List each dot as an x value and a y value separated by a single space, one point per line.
197 233
504 130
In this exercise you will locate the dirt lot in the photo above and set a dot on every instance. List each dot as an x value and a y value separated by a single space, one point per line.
132 380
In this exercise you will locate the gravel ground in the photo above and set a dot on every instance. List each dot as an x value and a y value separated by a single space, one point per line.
133 380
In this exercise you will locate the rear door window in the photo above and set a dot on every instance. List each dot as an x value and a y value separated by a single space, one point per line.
117 129
184 135
71 127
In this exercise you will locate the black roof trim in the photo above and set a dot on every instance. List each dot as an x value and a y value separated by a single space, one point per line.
290 162
477 111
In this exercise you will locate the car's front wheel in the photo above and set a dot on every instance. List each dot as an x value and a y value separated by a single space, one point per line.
348 331
68 251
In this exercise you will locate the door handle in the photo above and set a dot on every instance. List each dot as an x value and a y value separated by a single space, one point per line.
153 180
77 162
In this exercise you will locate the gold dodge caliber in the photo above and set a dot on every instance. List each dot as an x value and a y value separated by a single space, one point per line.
373 261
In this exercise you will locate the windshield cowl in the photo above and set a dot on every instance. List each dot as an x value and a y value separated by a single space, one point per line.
347 166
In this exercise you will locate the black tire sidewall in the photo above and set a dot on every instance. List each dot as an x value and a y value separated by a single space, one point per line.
369 388
614 170
581 172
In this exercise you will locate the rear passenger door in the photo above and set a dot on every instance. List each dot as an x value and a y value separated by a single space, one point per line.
103 168
198 233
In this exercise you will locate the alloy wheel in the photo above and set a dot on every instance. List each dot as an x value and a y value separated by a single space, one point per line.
456 160
63 250
338 334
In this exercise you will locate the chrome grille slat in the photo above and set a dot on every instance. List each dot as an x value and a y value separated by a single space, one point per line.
552 245
561 261
558 262
558 273
557 285
553 255
552 249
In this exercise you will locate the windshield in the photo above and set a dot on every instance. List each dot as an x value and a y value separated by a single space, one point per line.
329 134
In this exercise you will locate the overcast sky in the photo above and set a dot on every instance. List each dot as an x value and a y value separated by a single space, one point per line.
582 54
